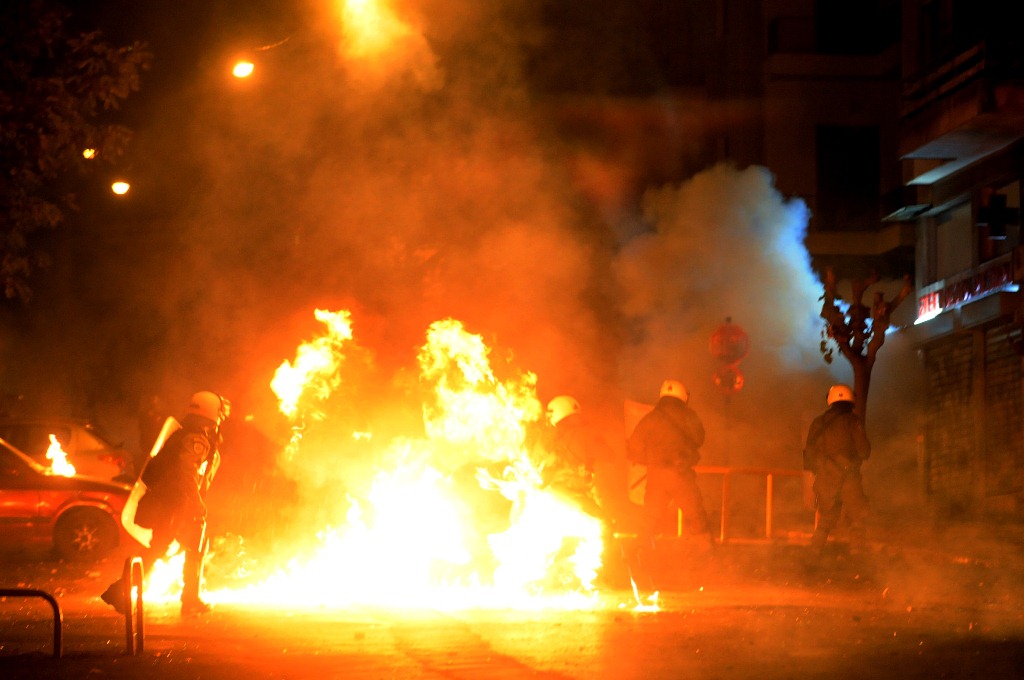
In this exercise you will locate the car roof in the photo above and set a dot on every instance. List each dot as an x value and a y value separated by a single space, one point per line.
46 419
84 423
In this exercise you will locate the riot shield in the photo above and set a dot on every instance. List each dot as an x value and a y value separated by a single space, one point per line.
142 534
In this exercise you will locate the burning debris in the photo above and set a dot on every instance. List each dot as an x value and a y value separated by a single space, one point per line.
456 515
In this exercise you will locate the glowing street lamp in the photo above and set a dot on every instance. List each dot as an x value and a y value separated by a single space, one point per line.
243 68
89 154
120 187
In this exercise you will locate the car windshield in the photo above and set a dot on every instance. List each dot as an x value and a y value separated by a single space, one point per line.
13 458
34 439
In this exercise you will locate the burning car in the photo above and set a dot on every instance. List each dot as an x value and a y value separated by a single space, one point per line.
79 517
88 450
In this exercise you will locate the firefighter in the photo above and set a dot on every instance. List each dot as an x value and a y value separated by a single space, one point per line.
836 447
596 477
569 463
177 479
667 441
581 461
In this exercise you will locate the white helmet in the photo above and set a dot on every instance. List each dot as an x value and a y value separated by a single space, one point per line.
674 388
839 393
562 407
209 405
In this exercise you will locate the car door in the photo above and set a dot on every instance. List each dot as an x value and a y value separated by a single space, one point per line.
19 501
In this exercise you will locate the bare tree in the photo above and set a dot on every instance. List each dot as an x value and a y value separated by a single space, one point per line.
859 331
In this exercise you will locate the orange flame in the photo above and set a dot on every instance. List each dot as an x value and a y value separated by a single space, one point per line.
314 372
370 27
316 364
59 459
456 518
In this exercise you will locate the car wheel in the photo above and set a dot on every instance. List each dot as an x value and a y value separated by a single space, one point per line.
84 534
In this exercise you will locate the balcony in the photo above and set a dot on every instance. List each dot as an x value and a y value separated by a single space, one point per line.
966 108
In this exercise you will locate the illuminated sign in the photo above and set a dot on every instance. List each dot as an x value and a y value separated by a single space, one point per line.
951 293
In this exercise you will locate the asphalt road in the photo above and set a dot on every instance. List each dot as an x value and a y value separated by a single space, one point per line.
924 604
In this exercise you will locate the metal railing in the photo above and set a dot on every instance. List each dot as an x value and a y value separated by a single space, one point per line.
58 615
727 473
134 619
134 630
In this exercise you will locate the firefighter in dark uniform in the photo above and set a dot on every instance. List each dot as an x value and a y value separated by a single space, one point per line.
836 447
574 451
177 479
667 441
588 465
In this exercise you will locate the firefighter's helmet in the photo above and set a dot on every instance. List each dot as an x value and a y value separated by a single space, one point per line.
839 393
674 388
209 405
562 407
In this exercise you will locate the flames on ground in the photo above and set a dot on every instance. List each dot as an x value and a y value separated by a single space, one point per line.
457 516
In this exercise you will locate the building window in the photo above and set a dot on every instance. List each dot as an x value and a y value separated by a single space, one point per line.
848 178
865 27
998 221
954 244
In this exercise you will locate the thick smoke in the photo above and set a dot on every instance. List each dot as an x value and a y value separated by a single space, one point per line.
412 181
725 244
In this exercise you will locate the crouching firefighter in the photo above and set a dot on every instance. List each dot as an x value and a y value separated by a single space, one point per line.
168 503
836 447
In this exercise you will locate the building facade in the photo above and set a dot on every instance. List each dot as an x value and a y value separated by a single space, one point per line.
961 145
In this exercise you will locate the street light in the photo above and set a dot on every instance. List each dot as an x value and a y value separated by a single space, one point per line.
245 64
243 68
120 187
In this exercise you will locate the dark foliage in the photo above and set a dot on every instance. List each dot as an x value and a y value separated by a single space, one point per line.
58 89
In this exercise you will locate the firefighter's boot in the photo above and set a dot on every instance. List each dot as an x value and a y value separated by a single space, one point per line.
116 596
192 577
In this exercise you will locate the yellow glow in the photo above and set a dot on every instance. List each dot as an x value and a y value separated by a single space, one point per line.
243 68
418 531
315 369
59 459
370 27
89 153
120 187
163 580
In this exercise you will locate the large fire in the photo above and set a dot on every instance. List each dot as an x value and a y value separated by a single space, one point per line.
453 516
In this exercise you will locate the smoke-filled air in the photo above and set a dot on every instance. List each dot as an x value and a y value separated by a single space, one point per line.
378 248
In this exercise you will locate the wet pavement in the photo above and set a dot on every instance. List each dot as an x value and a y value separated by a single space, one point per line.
921 603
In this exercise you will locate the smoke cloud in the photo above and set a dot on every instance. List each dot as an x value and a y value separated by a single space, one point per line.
410 180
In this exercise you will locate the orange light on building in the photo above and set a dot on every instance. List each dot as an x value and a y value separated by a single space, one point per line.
89 153
120 187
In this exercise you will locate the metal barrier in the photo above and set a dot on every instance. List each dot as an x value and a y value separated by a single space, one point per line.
132 579
58 615
769 473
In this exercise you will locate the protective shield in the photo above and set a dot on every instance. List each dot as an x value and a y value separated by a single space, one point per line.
142 534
